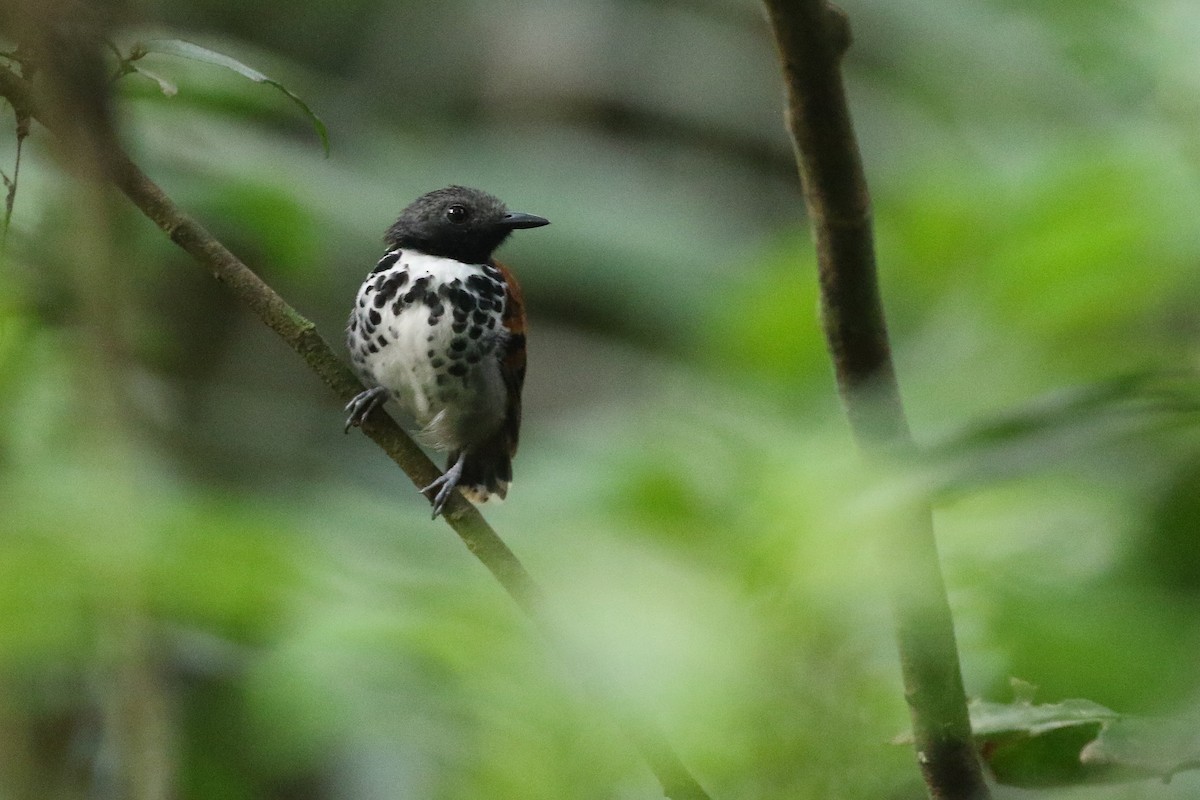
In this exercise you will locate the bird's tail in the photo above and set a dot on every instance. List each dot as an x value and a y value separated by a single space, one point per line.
487 470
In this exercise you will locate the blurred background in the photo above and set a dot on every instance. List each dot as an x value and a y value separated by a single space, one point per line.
208 591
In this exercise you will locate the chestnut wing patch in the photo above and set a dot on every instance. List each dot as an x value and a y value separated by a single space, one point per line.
512 359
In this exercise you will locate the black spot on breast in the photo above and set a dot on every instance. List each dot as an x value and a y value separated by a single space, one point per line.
458 370
463 300
458 344
371 348
491 323
459 326
436 309
414 295
389 286
437 363
353 323
387 262
479 317
374 317
390 283
475 332
382 340
473 358
481 285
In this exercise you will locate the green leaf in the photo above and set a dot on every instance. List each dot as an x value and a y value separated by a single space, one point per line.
1079 742
989 719
194 52
1039 745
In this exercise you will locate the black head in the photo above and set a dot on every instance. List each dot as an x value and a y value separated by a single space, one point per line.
458 222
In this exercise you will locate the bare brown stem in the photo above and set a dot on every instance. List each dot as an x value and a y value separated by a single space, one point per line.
812 36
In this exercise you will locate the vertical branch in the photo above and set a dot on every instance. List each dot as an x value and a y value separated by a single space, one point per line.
811 37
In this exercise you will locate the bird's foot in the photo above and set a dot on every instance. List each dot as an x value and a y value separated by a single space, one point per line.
446 484
363 404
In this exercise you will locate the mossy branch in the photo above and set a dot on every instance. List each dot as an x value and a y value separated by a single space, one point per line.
812 36
302 336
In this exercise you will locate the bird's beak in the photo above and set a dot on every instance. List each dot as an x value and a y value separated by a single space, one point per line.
518 220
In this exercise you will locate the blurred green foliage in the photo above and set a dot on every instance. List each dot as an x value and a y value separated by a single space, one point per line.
205 585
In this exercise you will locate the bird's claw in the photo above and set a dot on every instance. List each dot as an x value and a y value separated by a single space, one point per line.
445 484
363 404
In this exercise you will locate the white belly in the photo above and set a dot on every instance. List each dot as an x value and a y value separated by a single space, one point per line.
429 331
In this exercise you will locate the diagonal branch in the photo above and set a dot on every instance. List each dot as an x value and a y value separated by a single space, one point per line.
302 336
811 36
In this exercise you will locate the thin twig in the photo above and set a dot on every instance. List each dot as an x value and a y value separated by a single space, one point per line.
812 36
10 184
302 336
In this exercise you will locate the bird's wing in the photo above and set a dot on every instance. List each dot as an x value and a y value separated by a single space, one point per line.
512 355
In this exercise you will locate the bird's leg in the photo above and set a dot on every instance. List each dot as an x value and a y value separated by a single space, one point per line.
363 404
447 483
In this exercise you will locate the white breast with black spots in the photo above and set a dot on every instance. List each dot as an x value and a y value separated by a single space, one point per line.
428 329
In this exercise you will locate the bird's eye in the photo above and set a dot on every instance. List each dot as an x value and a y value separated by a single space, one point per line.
457 214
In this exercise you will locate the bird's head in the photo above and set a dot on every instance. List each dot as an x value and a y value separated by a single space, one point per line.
458 222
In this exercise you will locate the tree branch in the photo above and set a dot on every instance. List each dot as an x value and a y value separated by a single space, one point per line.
811 37
302 336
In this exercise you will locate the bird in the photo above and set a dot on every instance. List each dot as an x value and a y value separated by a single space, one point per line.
438 326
